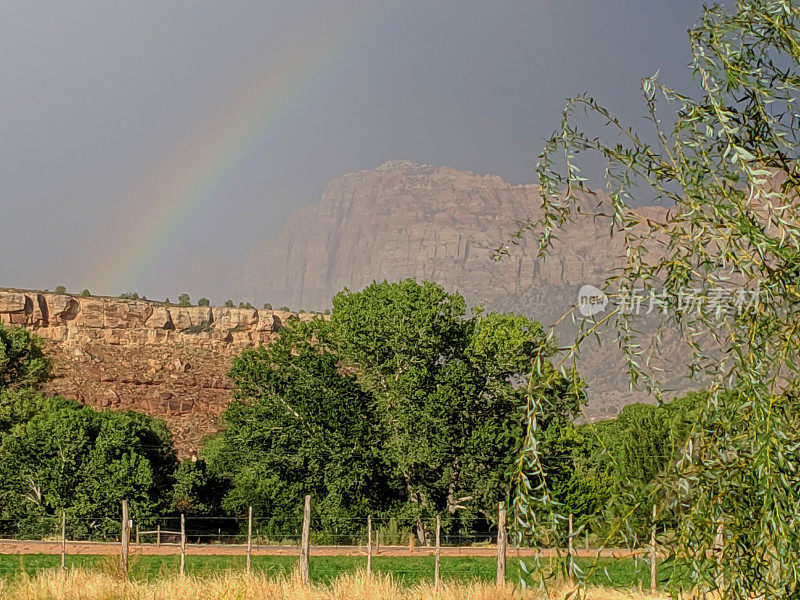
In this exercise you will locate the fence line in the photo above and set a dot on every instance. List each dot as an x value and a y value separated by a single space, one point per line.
304 543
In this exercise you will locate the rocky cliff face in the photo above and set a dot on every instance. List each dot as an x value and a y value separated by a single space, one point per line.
129 354
408 220
437 223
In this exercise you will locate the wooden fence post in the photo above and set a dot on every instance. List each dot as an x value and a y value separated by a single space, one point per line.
158 535
305 541
138 540
249 536
183 545
63 540
653 555
719 549
570 547
123 559
587 537
377 541
369 545
502 544
437 565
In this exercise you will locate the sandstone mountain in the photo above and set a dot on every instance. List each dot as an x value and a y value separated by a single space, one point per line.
169 361
407 220
438 223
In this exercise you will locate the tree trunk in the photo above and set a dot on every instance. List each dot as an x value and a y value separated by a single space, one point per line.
414 497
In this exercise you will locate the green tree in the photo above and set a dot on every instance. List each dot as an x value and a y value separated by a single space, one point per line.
60 289
445 390
196 490
64 455
86 293
303 428
726 162
267 306
204 302
398 406
184 300
229 304
22 361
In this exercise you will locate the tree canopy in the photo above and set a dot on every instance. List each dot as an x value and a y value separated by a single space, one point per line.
400 404
22 361
56 454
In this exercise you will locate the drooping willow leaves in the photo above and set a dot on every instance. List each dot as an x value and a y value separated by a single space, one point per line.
723 260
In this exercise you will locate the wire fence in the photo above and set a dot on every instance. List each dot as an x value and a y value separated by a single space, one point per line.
242 535
223 531
233 530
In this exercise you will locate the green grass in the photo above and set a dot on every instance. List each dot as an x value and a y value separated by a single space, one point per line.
624 573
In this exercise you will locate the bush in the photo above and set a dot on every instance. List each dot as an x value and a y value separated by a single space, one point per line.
286 308
61 289
184 300
82 459
229 304
86 293
203 302
23 363
203 327
267 306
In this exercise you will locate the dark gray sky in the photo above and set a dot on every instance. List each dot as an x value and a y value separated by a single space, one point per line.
149 145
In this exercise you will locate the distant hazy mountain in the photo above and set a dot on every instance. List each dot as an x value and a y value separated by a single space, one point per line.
438 223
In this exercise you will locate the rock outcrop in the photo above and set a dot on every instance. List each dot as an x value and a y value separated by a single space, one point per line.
169 361
438 223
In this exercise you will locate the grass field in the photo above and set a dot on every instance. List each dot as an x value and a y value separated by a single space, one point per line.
82 584
406 571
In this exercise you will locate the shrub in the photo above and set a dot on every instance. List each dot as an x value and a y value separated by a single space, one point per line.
86 293
198 328
61 289
267 306
184 300
229 304
203 302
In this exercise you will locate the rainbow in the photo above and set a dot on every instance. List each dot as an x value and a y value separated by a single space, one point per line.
185 181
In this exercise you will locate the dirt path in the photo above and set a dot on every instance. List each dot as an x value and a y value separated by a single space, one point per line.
108 548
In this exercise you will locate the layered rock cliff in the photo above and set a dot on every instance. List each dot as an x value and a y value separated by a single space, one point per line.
169 361
408 220
438 223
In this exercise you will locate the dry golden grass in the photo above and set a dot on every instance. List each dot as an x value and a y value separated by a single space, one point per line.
93 585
